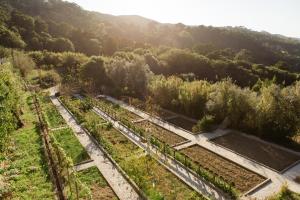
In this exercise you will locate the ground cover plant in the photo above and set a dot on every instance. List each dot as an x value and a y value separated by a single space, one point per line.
23 161
97 184
52 116
71 145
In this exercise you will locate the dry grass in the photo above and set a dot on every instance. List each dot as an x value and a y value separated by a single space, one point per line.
243 179
162 134
261 152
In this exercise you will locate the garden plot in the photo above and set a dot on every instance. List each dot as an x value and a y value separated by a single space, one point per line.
182 122
162 134
52 116
71 145
97 184
262 152
121 112
242 178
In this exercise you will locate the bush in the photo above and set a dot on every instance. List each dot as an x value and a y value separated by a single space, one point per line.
23 62
205 124
49 79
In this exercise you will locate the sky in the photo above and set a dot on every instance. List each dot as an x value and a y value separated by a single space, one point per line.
274 16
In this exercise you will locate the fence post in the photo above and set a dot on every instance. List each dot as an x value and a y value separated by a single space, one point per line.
76 187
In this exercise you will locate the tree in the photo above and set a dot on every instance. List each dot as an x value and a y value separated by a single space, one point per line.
278 112
93 73
40 25
22 21
10 39
60 45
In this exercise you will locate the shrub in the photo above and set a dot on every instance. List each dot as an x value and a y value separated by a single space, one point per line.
205 124
49 79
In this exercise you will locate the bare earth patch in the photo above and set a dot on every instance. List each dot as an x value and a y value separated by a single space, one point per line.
162 134
259 151
182 122
243 178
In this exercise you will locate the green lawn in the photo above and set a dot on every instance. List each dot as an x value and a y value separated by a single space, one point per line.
24 162
71 145
98 185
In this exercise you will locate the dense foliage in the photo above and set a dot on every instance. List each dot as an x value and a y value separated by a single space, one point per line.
211 53
10 103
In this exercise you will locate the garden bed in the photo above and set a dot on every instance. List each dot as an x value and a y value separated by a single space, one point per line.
267 154
52 116
97 184
242 178
121 112
162 134
182 122
71 145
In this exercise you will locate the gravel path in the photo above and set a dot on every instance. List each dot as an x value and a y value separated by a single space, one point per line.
114 178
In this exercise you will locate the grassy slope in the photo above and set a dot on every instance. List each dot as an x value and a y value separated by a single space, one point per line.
28 173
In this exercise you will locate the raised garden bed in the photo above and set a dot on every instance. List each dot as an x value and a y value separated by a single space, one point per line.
242 178
71 145
97 184
121 112
267 154
162 134
182 122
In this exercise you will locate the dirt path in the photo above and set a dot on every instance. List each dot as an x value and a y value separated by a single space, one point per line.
115 179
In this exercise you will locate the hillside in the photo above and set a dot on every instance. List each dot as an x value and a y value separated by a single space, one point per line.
136 31
96 106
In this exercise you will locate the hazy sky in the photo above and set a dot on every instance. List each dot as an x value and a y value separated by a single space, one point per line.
275 16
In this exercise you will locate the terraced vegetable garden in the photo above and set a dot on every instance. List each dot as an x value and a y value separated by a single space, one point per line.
242 179
259 151
162 134
151 177
97 184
